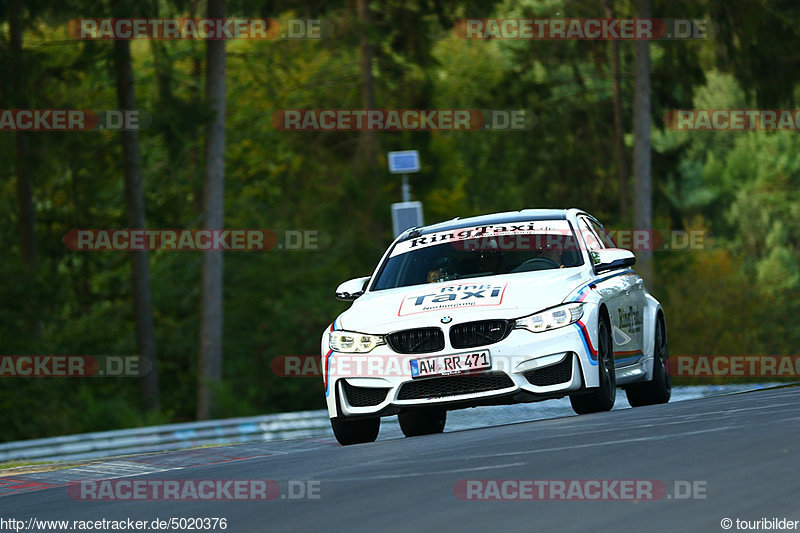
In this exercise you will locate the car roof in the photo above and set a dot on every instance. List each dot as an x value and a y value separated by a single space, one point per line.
523 215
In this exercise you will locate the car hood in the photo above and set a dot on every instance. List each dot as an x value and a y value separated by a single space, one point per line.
504 296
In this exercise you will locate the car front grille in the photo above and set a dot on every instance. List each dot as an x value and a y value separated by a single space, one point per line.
420 340
481 333
551 375
443 387
363 396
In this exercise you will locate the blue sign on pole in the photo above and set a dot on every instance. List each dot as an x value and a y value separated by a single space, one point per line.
403 162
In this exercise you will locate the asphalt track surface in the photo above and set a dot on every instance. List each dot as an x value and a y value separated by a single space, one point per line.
743 448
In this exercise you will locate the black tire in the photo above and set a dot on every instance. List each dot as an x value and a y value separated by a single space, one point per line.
602 398
358 431
422 421
659 389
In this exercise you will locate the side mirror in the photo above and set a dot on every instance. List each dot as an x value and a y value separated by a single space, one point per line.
351 289
611 258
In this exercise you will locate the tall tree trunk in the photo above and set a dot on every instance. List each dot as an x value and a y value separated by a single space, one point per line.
368 140
195 90
643 216
210 367
619 133
25 206
22 146
134 204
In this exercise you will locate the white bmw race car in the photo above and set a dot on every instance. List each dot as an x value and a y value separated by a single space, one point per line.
496 309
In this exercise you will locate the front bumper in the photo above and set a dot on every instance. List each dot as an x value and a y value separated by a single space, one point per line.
525 367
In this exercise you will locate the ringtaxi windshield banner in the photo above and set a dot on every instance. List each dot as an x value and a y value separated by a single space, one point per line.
536 234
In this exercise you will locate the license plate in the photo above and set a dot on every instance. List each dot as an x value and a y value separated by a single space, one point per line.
445 365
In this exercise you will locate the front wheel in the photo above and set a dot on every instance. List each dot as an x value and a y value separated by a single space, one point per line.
358 431
659 389
602 398
422 422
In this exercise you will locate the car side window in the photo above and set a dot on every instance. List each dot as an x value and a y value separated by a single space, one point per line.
604 236
591 239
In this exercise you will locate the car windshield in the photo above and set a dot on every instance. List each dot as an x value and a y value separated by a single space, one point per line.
480 251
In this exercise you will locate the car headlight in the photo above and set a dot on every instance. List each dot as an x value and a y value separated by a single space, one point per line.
351 342
557 317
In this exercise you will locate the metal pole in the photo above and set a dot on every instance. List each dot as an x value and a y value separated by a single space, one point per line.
406 189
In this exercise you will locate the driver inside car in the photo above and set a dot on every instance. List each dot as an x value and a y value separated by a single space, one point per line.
442 271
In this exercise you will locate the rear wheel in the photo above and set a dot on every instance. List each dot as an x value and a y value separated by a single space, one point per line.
602 398
422 422
356 431
659 389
